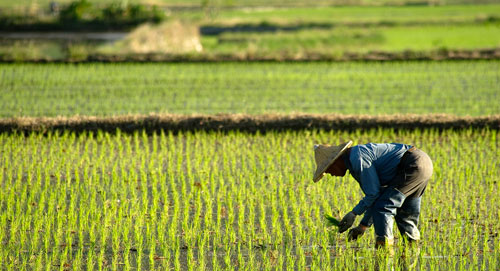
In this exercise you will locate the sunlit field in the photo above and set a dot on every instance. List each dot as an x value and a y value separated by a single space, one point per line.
458 88
230 201
179 134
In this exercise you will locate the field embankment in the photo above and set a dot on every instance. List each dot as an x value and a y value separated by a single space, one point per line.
242 122
407 55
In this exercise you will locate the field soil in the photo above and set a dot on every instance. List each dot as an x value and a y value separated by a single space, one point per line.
444 54
241 122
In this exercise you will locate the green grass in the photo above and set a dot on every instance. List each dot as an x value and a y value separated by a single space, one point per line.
460 88
20 50
450 37
374 14
342 40
211 201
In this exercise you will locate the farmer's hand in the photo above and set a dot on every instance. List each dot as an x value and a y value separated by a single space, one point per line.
356 232
346 222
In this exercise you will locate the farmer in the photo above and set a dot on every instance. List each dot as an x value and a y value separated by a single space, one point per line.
393 178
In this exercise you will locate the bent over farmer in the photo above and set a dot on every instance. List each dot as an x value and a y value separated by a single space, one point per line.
393 178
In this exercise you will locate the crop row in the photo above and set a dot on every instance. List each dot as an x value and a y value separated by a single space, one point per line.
460 88
214 201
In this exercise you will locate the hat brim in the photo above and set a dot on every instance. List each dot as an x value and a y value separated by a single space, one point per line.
320 172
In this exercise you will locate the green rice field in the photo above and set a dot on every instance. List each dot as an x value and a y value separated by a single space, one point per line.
458 88
78 193
230 201
364 14
341 41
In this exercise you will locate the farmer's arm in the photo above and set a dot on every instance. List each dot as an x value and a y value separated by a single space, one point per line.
370 185
367 220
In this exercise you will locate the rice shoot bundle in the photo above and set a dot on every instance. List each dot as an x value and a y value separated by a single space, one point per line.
331 221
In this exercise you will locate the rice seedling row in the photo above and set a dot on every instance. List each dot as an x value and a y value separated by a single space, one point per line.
232 201
459 88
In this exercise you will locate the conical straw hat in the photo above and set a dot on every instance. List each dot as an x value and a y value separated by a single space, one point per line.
325 155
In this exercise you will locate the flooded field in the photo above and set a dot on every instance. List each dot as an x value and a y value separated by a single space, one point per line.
218 201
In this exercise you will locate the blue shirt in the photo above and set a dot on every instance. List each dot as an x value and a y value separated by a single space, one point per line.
373 166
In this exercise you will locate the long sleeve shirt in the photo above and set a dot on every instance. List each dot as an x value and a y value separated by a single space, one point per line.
373 166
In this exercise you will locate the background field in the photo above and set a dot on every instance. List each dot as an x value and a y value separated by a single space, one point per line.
331 30
342 41
212 201
246 3
362 14
459 88
262 33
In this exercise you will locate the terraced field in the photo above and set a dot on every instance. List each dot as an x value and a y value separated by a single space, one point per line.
457 88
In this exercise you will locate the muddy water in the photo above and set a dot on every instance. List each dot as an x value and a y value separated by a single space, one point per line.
91 36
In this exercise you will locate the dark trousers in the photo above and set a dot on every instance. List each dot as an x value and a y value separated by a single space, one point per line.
414 171
401 200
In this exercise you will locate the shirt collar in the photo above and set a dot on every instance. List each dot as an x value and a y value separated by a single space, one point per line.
346 156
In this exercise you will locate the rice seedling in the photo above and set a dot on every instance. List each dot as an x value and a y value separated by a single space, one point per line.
218 201
459 88
331 221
